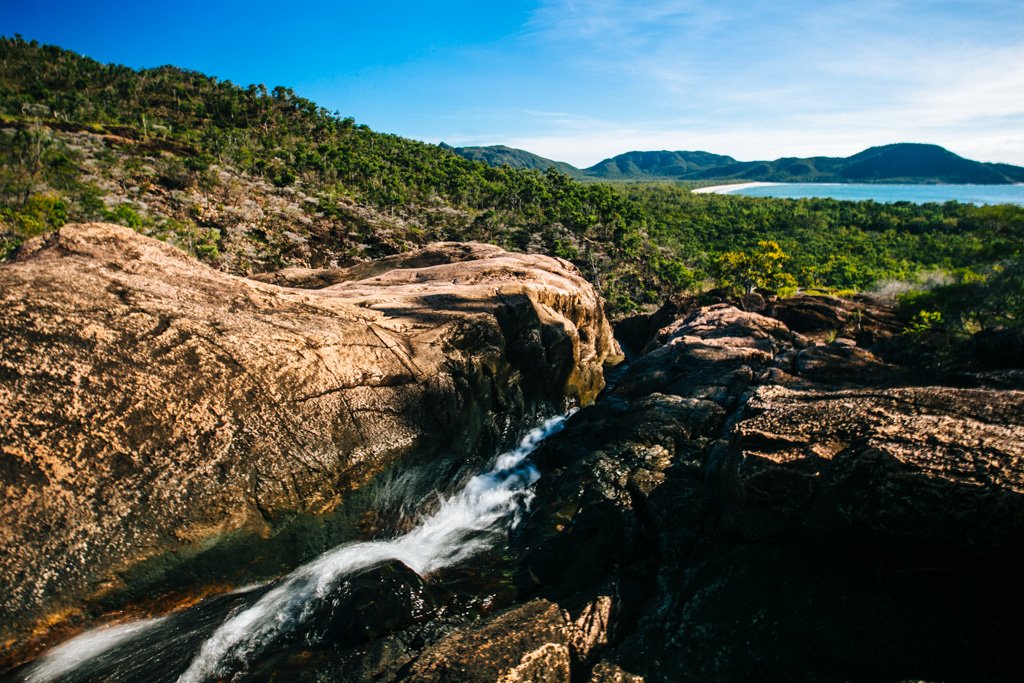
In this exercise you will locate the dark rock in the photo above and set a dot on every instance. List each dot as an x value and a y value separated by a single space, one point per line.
713 353
379 601
842 363
607 672
865 339
753 302
825 318
923 466
808 314
755 508
996 349
636 332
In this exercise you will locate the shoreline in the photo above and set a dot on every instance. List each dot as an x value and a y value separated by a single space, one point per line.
732 187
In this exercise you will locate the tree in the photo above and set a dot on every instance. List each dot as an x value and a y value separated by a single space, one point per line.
764 269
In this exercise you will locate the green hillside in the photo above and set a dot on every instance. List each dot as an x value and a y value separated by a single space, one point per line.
903 162
259 177
500 155
897 163
635 165
253 179
919 162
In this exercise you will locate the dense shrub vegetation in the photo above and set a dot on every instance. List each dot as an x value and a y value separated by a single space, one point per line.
251 178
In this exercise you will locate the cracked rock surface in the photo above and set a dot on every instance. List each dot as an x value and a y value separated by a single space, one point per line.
149 404
747 505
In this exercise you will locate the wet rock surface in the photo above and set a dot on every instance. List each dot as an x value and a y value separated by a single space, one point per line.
153 407
746 504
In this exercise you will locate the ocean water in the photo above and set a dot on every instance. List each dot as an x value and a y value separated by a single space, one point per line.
919 194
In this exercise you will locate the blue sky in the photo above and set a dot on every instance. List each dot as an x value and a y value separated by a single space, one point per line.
580 81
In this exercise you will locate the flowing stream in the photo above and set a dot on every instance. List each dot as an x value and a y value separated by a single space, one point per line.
223 635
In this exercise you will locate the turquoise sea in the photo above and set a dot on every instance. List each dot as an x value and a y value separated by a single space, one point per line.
919 194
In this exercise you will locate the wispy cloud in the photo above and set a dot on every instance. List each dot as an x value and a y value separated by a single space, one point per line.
753 78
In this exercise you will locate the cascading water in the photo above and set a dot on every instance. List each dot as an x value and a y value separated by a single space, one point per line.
469 522
66 657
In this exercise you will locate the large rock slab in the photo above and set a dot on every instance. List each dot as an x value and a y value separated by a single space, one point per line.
149 403
928 466
756 506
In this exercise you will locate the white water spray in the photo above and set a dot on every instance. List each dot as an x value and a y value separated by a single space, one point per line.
67 656
465 524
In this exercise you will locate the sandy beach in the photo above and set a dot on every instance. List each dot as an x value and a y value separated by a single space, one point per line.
721 189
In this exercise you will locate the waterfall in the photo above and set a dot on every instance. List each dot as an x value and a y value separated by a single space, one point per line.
470 521
65 657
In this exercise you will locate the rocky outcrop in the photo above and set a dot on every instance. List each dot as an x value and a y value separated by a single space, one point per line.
153 407
755 506
527 643
764 494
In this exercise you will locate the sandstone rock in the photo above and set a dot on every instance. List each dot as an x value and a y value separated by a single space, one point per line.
606 672
825 318
152 405
530 643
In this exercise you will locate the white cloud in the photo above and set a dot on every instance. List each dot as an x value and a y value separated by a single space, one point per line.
584 141
767 79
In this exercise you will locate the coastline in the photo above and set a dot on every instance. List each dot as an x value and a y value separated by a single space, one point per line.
725 189
917 193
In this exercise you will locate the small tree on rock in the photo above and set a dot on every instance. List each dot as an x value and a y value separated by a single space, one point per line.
761 269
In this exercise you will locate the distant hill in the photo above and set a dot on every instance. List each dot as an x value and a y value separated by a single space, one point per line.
633 165
903 162
500 155
898 163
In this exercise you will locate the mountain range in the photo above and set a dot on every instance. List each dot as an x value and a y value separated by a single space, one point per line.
901 162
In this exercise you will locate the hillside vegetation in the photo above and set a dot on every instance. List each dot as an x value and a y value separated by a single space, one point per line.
899 163
252 179
903 162
500 155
